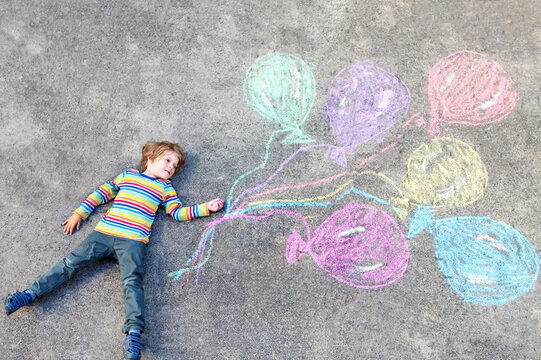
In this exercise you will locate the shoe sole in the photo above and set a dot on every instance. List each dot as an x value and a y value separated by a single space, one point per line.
6 307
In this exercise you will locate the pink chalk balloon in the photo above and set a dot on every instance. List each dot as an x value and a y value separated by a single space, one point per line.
358 245
467 88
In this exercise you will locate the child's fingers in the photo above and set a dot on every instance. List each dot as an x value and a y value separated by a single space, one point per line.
68 229
215 205
218 204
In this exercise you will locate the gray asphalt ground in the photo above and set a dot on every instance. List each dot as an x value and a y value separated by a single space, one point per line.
84 84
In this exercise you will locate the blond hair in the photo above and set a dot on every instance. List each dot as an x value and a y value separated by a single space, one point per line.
156 149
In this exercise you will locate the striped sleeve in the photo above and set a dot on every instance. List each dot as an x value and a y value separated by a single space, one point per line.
174 207
102 195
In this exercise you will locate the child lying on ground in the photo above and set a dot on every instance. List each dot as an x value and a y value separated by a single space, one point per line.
122 233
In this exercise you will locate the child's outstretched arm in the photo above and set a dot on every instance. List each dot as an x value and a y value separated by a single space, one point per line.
102 195
174 207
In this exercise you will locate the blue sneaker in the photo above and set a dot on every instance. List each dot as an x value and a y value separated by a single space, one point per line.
17 300
133 346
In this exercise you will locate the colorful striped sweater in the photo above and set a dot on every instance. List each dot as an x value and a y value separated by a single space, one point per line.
137 198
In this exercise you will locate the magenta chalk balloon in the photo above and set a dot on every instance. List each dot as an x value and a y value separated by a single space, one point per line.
358 245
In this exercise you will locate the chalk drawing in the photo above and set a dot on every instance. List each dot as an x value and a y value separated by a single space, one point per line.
485 261
464 88
358 245
445 172
282 89
305 200
358 110
468 88
232 204
372 252
248 210
345 180
365 102
199 257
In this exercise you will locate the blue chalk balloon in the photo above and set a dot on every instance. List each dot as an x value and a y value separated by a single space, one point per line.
485 261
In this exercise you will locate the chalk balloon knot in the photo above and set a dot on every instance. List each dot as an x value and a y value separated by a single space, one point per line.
422 220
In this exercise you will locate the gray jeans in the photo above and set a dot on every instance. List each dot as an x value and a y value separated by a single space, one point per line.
97 246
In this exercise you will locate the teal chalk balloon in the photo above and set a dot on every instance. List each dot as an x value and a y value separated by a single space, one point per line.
485 261
282 89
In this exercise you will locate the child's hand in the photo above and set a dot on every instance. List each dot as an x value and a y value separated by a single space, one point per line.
215 205
73 222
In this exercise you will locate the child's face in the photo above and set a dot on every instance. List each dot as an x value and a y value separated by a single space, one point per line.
162 167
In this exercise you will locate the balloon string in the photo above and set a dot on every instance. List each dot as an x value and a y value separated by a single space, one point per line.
208 234
356 191
309 201
266 158
386 179
352 189
317 198
419 121
317 182
209 231
280 168
177 274
201 258
291 202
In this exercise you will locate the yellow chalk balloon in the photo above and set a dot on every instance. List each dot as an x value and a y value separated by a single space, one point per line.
445 173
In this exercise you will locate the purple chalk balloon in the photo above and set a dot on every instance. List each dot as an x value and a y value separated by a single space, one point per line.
358 245
365 102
